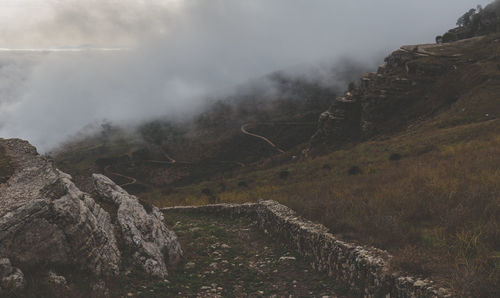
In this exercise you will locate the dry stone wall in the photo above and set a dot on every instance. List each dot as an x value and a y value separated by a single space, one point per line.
365 269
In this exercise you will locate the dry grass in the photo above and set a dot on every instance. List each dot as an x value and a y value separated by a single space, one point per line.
437 209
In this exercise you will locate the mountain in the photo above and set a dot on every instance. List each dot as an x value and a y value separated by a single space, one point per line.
163 154
406 160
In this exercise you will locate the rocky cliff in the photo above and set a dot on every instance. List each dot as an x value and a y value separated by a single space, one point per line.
414 82
49 226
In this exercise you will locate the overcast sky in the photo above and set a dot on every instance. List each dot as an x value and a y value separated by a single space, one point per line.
180 51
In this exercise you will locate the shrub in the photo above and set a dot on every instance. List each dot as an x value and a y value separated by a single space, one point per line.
395 156
354 170
449 37
212 199
207 192
284 174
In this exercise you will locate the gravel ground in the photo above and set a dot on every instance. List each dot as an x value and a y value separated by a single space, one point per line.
234 258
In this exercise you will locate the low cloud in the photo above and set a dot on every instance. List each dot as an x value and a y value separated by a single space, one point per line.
180 52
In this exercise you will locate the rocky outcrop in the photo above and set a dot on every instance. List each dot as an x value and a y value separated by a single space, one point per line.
408 86
364 269
144 232
340 123
46 223
46 219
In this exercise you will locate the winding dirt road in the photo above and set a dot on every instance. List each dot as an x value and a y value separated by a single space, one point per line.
245 131
132 179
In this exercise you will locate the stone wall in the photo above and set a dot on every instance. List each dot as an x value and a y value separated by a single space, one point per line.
365 269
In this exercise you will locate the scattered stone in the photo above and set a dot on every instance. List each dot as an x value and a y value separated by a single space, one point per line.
287 259
55 280
189 265
362 268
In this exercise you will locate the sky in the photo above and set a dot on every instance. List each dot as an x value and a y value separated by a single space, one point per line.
172 54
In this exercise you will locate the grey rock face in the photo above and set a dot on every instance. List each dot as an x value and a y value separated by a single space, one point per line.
46 219
155 246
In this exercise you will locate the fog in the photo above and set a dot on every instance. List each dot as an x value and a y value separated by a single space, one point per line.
175 54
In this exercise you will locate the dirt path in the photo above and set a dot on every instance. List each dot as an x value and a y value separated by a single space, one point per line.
245 131
234 258
132 179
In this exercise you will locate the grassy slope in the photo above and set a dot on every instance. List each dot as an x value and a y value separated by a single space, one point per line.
437 209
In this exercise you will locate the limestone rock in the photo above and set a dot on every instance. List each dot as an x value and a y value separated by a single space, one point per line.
145 232
11 278
46 220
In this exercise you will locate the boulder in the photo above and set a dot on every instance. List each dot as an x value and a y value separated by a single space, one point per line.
45 220
153 245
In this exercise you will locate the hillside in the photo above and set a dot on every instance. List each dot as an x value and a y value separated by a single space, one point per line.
422 181
165 153
407 160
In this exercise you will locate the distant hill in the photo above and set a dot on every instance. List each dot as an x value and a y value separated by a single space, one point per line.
162 154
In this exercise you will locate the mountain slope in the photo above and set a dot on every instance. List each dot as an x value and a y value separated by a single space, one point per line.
408 160
422 182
